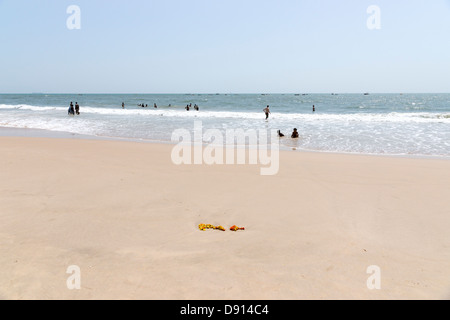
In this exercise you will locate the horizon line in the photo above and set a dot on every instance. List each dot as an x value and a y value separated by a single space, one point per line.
215 93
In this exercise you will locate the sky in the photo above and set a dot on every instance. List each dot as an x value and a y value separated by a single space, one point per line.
225 46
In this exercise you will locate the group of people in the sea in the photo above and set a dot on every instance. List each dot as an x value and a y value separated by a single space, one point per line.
143 105
74 110
295 134
189 107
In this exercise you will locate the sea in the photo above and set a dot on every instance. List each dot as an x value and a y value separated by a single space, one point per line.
363 123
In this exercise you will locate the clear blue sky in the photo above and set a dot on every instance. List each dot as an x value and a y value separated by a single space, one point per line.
223 46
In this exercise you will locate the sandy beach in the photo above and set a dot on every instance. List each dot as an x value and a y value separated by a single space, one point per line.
128 217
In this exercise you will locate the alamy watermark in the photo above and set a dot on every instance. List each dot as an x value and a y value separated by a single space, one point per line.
374 20
73 22
74 280
374 281
232 147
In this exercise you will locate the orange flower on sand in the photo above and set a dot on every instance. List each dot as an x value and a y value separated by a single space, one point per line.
235 228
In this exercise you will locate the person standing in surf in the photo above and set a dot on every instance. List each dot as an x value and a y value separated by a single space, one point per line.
71 110
267 112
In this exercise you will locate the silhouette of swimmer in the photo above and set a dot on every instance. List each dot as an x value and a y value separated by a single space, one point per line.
267 112
71 110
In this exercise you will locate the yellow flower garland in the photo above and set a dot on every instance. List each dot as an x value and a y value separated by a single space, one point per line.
204 227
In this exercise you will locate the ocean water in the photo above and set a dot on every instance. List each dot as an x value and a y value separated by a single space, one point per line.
388 124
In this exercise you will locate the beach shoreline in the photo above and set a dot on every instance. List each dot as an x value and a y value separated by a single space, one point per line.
128 217
42 133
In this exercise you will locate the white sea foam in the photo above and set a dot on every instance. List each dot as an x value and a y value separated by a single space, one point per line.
418 117
31 108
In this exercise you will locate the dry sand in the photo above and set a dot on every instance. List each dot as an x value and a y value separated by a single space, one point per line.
129 218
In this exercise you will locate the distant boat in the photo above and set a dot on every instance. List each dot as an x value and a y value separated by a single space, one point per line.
366 94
